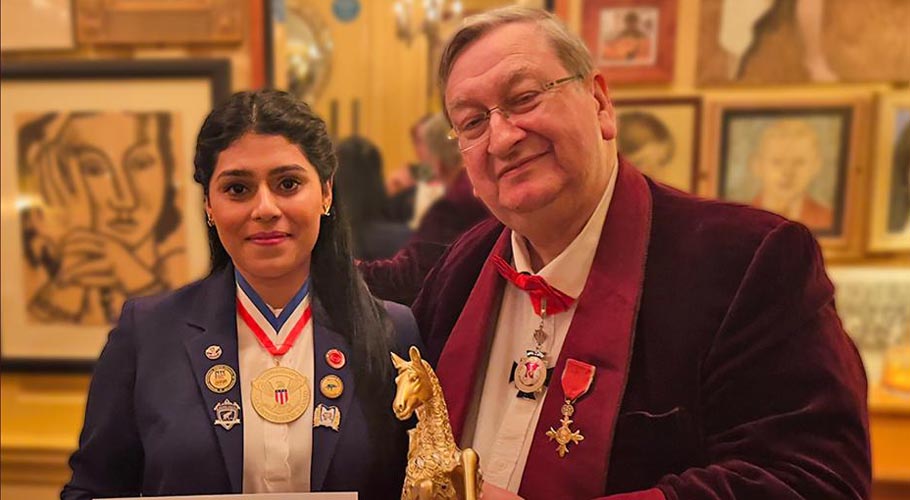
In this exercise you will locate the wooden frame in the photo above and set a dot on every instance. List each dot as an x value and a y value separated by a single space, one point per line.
63 171
631 41
805 151
661 136
26 25
131 22
889 227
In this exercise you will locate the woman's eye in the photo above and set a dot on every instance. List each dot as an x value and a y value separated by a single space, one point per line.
92 166
288 184
235 189
142 162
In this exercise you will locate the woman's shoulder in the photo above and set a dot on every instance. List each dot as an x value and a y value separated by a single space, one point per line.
185 297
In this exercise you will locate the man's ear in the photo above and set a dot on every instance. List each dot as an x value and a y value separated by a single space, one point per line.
606 115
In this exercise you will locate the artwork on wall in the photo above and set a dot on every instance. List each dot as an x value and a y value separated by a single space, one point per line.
631 41
153 21
795 158
889 229
32 25
872 304
796 41
298 48
97 163
660 136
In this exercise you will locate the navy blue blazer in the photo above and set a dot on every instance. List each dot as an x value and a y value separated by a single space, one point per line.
149 422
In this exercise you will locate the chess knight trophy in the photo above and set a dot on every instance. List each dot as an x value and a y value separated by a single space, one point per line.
436 469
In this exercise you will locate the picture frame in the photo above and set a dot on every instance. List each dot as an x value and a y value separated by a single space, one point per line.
661 137
26 25
889 227
298 48
96 153
138 22
798 156
809 41
631 41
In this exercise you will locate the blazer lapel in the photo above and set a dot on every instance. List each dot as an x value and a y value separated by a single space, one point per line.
601 334
470 338
324 438
214 322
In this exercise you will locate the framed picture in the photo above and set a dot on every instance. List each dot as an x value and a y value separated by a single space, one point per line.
28 25
631 41
660 136
298 48
872 304
106 22
787 41
99 201
889 228
798 158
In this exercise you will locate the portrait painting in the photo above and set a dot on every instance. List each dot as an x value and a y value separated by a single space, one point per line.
792 163
101 218
97 168
890 215
659 136
798 41
631 41
795 155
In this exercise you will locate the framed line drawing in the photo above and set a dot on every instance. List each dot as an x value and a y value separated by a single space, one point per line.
660 136
797 157
97 166
889 224
631 41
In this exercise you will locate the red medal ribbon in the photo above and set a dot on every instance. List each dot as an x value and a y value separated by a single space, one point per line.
576 378
264 339
536 286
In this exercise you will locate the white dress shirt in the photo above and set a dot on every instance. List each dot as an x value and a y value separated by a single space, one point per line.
276 457
502 423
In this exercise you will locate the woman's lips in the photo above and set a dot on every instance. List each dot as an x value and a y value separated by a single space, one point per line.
270 238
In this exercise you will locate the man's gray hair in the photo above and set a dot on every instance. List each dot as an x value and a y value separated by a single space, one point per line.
570 49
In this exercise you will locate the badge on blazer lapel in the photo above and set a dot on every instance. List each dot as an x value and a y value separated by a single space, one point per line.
335 358
220 378
213 352
331 386
227 414
327 416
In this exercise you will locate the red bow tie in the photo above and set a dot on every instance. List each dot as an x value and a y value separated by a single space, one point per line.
536 286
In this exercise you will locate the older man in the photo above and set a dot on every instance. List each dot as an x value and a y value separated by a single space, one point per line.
610 336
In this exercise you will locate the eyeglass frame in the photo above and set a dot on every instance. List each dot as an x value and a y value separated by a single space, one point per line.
547 87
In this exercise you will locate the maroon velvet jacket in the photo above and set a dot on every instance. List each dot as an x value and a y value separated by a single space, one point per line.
398 279
723 370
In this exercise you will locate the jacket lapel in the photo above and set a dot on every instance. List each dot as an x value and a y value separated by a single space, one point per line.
601 334
324 438
214 322
470 338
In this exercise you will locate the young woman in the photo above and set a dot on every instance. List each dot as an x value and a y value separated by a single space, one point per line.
271 374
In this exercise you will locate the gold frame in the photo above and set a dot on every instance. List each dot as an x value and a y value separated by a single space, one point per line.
844 240
880 239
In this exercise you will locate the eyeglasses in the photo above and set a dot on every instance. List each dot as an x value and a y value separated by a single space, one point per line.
472 128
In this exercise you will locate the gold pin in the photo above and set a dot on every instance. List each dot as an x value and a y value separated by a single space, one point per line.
331 386
327 416
220 378
227 414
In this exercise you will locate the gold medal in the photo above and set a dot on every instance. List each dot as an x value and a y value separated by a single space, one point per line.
220 378
331 386
280 395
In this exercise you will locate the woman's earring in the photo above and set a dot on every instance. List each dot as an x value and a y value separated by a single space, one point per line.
327 210
209 220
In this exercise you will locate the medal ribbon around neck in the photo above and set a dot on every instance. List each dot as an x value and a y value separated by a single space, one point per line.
263 337
538 289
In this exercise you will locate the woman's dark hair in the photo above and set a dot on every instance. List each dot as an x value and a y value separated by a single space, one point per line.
352 311
900 178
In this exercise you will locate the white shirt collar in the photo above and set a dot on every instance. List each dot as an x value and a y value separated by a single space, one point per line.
569 271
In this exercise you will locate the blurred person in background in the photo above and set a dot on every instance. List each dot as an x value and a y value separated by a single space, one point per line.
212 388
361 190
399 278
413 188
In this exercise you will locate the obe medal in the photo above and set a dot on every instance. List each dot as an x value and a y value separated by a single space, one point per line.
280 395
530 374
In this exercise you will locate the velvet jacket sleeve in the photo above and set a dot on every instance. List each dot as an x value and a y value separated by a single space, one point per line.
783 391
109 460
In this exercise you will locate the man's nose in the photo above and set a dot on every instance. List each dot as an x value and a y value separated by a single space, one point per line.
504 134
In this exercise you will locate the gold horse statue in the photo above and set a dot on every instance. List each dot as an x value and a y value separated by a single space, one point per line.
437 469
